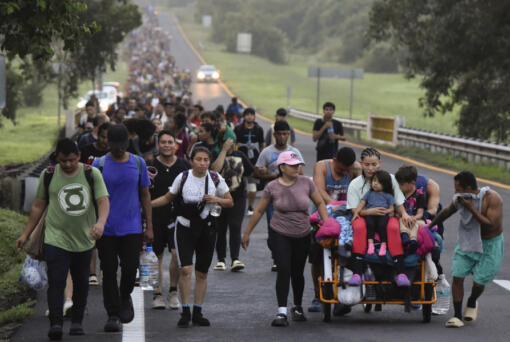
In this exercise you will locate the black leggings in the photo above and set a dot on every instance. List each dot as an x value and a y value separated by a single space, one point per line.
231 219
290 257
377 224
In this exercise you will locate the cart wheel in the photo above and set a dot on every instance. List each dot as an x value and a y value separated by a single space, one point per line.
326 312
367 307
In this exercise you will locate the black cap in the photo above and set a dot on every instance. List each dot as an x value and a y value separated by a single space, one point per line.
281 126
118 137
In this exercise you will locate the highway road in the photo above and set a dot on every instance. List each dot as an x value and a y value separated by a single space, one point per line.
241 306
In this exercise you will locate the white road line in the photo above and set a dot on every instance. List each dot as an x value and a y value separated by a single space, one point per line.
503 283
135 330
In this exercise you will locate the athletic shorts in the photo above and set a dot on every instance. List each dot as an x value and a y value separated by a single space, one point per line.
188 243
163 237
483 266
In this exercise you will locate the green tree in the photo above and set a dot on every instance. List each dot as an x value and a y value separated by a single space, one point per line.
460 49
29 26
114 20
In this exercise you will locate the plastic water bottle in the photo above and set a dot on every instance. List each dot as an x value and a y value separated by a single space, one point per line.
442 305
153 268
148 269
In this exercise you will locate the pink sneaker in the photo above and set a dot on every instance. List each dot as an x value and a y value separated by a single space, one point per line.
382 250
371 248
402 280
355 280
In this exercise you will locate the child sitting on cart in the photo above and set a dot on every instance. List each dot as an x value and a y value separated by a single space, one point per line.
380 196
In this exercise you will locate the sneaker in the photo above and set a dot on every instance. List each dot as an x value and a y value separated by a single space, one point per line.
316 305
198 318
112 324
297 314
127 313
158 303
55 333
220 266
280 321
185 318
371 249
274 268
173 300
93 280
249 212
68 308
76 329
402 280
382 250
237 266
355 280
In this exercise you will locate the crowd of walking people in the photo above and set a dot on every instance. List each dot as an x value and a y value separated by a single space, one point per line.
158 168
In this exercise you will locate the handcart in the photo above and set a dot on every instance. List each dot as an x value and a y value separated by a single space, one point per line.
379 288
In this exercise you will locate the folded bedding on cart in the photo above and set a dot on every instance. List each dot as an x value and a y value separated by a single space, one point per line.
338 226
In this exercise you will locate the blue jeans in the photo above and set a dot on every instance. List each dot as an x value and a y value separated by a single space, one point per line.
60 262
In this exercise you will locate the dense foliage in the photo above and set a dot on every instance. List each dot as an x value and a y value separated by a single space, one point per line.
460 49
332 29
80 36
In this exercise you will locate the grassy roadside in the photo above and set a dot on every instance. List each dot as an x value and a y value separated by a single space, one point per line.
36 129
261 83
16 300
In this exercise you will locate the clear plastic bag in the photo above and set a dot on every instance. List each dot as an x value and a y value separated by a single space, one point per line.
34 274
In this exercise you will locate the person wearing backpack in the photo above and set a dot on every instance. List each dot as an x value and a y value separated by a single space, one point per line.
195 193
127 181
69 191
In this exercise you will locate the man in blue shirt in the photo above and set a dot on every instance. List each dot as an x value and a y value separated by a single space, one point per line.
127 181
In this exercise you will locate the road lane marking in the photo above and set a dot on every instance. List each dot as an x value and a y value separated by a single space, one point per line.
135 330
388 154
503 283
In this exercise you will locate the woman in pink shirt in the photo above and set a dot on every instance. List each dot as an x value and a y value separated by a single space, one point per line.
289 233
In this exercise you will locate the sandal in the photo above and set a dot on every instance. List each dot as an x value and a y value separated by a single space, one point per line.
454 322
470 314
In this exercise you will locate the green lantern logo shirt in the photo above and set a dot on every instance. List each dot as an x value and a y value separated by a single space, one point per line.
74 199
71 213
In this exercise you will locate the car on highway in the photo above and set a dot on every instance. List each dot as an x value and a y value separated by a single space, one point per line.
208 73
106 97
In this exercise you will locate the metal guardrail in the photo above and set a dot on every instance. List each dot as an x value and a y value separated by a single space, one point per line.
474 150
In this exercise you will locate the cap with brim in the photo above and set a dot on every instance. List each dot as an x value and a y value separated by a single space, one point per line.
118 137
289 158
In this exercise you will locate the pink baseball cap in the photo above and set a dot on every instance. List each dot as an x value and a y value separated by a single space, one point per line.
289 158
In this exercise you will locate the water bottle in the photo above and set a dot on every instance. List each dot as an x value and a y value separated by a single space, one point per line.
153 268
442 305
146 266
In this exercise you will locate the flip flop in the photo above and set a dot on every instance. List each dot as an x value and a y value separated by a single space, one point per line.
470 314
454 322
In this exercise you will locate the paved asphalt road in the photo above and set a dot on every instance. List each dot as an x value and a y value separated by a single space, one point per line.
242 305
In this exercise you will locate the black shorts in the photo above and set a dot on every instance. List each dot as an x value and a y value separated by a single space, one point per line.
163 237
316 254
188 243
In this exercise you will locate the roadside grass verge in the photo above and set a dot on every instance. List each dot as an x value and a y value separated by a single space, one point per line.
16 299
262 83
36 131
